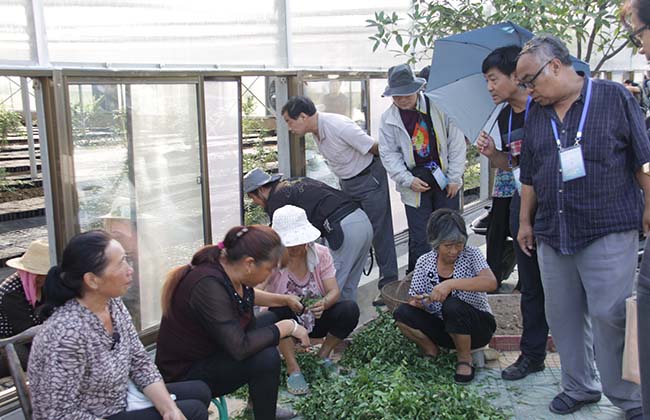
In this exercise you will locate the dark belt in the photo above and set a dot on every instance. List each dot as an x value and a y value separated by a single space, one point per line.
338 215
366 171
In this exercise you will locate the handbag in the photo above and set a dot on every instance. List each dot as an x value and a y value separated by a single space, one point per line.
631 351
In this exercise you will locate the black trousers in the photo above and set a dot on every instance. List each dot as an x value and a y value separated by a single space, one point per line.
261 372
339 319
535 328
192 398
499 248
459 317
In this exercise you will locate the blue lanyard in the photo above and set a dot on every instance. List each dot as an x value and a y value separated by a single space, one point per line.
528 101
583 118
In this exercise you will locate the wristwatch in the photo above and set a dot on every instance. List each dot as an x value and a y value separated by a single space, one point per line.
646 168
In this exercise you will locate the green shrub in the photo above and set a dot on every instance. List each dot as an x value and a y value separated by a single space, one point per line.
10 121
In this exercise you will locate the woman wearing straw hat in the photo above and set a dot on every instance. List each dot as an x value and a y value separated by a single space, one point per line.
309 273
20 295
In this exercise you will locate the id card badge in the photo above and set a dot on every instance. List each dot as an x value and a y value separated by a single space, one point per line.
515 174
572 164
440 177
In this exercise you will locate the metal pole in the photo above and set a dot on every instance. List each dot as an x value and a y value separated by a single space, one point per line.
45 170
27 114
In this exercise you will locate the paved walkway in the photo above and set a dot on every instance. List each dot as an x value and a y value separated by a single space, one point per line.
528 399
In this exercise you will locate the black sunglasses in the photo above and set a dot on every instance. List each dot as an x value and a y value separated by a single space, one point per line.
634 36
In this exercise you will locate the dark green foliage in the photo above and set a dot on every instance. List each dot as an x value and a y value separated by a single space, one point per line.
391 380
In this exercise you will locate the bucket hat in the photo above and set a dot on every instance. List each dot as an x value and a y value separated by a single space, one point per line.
258 178
402 81
35 260
290 222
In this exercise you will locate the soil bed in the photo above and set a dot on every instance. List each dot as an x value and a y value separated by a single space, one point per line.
16 194
507 313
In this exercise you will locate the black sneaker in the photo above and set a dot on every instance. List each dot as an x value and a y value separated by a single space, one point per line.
379 301
521 368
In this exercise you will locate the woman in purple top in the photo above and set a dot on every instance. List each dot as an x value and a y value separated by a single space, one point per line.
309 273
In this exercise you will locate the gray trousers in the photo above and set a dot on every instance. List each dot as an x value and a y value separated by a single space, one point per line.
350 258
371 191
591 285
643 314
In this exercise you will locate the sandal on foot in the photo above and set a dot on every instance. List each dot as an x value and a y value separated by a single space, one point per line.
296 384
564 404
464 379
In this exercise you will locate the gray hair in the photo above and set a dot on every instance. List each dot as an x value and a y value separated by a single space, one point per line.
446 225
547 47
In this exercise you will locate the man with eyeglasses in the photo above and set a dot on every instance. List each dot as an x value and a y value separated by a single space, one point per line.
581 169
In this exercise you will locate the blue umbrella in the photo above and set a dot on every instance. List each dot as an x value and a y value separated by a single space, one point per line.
456 84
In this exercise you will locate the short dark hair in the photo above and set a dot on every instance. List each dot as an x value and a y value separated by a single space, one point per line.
424 73
296 105
503 59
642 8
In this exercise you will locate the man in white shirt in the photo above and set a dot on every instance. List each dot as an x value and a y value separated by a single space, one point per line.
353 156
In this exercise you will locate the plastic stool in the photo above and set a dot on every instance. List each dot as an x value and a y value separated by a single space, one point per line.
222 407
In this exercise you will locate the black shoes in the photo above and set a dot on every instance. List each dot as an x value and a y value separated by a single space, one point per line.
379 301
521 368
464 379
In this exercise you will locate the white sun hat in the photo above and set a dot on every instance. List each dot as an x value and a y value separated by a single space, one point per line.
290 222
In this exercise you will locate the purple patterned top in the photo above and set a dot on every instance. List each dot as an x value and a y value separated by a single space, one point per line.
77 371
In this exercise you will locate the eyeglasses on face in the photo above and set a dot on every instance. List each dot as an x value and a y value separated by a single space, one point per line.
634 36
529 84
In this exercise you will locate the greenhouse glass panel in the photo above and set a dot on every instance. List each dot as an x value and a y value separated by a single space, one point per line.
224 155
378 105
175 32
333 34
338 96
14 34
137 174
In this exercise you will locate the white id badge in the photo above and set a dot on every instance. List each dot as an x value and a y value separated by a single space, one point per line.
440 177
515 174
573 166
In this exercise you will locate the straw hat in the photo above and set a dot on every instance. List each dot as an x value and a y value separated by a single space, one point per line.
290 222
35 260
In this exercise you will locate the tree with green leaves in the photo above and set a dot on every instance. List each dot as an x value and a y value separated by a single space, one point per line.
592 29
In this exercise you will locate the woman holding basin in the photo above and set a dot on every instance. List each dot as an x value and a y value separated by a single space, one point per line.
448 304
309 274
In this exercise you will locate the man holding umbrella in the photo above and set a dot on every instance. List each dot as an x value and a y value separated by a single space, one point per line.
581 169
423 152
502 84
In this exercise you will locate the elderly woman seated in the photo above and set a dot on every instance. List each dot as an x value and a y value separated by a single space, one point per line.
448 305
87 361
309 273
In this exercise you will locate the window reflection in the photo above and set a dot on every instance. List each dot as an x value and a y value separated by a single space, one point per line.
137 174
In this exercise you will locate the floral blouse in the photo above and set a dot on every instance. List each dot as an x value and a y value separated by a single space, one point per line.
470 262
78 371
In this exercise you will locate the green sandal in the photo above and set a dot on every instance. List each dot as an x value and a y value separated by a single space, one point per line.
296 384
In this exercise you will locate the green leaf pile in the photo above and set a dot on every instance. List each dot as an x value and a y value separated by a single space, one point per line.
389 379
